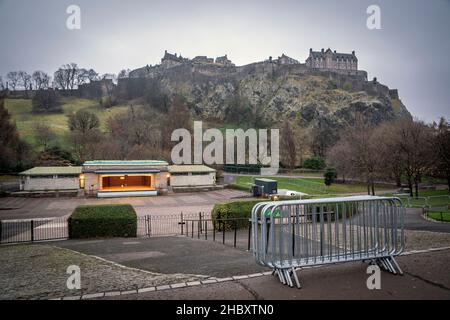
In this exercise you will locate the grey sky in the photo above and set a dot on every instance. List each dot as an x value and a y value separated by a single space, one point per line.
411 51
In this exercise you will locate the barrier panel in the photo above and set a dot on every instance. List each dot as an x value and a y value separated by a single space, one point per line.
287 235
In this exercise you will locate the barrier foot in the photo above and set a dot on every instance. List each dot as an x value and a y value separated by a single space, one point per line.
394 262
388 264
297 283
287 277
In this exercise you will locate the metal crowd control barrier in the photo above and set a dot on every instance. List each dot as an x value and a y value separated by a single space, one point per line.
289 235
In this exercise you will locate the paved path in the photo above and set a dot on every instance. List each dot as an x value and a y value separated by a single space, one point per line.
39 271
415 221
170 255
426 277
24 208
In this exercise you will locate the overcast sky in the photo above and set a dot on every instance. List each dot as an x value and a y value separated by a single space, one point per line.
411 52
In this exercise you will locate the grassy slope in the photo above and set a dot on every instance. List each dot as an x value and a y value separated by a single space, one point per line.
440 215
309 186
20 110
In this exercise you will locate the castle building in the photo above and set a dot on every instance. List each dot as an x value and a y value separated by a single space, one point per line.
332 60
202 59
284 59
172 60
224 61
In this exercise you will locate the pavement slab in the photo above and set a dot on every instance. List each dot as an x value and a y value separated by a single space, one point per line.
426 277
172 255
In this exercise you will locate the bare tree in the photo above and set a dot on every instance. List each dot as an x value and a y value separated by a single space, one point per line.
85 146
13 79
302 142
24 80
442 150
83 121
82 76
71 71
288 146
41 80
92 75
324 135
414 141
2 85
43 134
60 79
393 166
339 157
85 135
178 116
66 76
108 80
137 133
46 101
358 142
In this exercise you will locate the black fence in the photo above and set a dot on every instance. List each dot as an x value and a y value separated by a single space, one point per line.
31 230
234 232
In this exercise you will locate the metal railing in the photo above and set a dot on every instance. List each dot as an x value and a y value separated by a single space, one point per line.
229 231
166 225
292 234
31 230
429 202
439 213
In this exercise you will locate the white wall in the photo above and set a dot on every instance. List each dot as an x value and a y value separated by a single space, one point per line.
193 180
42 184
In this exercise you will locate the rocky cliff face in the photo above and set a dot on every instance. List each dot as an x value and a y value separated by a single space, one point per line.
276 92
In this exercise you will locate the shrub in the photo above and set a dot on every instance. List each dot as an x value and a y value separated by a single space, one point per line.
315 163
91 221
347 86
243 209
46 101
330 176
235 209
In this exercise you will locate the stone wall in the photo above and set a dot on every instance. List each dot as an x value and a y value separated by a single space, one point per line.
42 184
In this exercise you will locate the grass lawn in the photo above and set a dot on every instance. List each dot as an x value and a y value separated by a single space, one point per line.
20 110
443 215
310 186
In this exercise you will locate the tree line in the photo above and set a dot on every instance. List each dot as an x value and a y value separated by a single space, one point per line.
68 77
403 151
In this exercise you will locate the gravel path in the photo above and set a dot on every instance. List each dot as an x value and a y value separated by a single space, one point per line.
39 272
421 240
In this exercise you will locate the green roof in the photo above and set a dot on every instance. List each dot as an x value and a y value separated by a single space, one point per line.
190 168
45 171
125 163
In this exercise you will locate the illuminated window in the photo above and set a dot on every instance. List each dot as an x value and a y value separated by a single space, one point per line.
82 181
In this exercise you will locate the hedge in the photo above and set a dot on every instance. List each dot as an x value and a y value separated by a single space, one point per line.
234 209
243 209
93 221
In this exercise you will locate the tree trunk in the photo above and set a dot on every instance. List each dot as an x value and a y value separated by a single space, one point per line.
398 181
448 183
410 186
373 188
416 187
